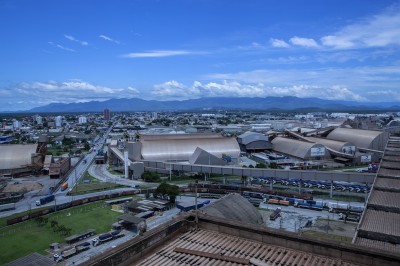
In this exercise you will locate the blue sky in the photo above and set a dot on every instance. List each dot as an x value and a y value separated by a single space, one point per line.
76 51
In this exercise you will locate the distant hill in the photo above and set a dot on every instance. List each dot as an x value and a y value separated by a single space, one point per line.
229 103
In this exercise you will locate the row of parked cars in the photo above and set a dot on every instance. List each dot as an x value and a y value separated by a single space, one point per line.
338 186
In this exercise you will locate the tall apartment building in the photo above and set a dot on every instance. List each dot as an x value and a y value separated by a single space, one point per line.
106 114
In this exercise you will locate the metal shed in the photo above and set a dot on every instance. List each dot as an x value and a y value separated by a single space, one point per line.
253 141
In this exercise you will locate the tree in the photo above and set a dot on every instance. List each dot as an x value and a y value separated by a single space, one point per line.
261 165
150 177
273 165
166 191
87 146
53 223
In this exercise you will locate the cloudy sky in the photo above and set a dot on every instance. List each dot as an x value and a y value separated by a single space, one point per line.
77 51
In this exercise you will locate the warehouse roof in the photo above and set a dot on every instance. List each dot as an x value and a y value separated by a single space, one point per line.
332 144
249 137
14 156
33 259
296 148
380 224
360 137
204 247
181 147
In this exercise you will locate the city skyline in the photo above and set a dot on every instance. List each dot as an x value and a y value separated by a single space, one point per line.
73 51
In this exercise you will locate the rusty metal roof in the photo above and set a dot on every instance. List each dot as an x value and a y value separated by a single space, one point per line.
211 248
380 225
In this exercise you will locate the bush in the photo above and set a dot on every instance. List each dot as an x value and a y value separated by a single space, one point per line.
150 177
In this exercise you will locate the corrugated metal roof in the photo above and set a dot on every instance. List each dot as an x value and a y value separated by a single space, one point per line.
212 248
375 244
361 138
13 156
385 199
333 144
249 137
180 136
294 147
33 259
380 224
181 149
386 223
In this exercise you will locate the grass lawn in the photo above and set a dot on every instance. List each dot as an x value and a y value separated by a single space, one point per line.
27 237
93 187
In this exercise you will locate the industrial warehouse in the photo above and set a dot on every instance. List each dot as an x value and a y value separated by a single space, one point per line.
340 145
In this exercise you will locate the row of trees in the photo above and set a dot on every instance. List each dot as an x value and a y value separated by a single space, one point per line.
57 228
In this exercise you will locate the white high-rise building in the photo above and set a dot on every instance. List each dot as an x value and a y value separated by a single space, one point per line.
39 120
17 124
154 115
82 120
58 121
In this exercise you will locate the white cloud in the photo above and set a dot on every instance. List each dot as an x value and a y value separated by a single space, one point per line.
42 93
104 37
173 89
305 42
279 43
61 47
358 80
335 92
72 38
69 37
377 31
157 53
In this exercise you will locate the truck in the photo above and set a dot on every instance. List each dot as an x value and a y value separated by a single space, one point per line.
275 214
106 237
45 200
101 239
64 186
350 216
70 251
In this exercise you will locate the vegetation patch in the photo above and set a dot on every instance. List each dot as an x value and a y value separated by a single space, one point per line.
36 236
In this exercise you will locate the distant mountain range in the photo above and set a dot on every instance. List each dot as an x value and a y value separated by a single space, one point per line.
219 103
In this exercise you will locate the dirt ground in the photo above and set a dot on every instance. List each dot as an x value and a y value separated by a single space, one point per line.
338 228
23 187
322 223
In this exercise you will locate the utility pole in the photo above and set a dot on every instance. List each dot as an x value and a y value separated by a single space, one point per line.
195 203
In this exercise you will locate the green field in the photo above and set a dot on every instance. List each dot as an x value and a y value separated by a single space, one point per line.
27 237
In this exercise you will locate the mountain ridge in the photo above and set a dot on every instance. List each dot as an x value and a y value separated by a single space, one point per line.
289 103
